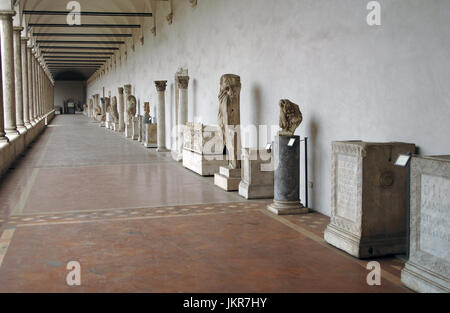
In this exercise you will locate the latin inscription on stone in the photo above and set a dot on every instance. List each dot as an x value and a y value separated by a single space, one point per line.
435 216
347 182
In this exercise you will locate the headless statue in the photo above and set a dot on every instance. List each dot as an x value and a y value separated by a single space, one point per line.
229 119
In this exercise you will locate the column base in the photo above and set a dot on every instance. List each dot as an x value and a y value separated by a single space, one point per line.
162 149
21 129
287 207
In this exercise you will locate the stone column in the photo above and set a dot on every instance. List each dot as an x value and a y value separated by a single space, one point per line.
7 51
121 111
183 82
33 62
30 84
3 138
18 79
161 115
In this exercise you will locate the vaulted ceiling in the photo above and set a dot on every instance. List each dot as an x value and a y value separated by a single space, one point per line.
82 49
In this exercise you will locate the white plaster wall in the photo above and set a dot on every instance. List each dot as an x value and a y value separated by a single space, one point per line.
352 81
69 89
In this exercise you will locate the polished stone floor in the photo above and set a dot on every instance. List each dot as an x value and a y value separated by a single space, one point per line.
137 221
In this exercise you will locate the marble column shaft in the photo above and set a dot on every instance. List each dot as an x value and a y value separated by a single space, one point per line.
18 78
8 83
33 85
30 84
24 56
161 115
121 110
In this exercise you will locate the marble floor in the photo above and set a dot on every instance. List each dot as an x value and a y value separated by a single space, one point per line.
137 221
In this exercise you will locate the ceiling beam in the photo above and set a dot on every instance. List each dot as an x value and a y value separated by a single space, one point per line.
79 48
86 25
75 61
49 57
77 53
88 42
65 13
80 35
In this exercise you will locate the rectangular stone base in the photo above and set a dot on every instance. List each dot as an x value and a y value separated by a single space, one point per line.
363 248
226 183
420 279
204 165
255 192
150 145
128 132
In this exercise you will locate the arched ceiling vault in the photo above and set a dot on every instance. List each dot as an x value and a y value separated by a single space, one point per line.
106 25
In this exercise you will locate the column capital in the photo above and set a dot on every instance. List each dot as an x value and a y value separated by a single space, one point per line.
120 90
7 13
25 39
161 85
183 82
18 28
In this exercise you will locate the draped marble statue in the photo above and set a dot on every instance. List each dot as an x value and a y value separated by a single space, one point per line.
229 117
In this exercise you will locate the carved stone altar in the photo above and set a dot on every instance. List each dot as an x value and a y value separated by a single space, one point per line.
257 174
203 149
428 267
229 121
369 194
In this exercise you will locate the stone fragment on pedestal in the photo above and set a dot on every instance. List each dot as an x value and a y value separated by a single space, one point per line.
428 267
286 152
257 174
203 149
369 195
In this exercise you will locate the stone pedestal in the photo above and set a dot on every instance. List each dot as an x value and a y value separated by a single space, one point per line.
228 179
369 194
287 177
129 129
141 129
146 119
257 174
428 267
151 134
202 149
109 121
135 128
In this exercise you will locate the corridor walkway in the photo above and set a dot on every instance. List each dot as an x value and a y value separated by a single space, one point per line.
137 221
